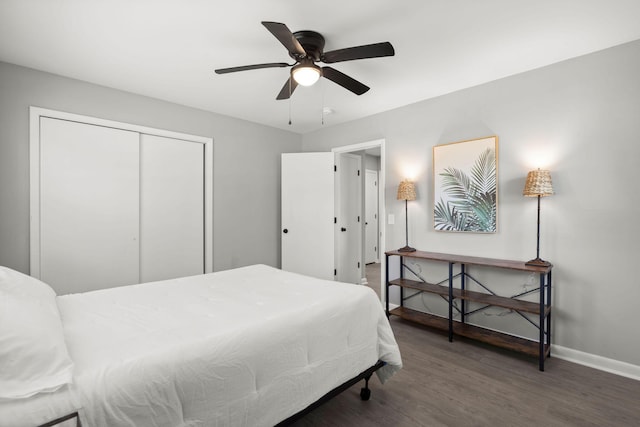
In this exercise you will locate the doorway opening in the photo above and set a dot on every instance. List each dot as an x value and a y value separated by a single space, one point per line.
373 154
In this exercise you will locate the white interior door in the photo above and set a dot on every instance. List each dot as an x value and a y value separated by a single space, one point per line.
308 214
349 219
171 208
371 216
89 207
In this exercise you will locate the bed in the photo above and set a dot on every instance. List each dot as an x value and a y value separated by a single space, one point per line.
251 346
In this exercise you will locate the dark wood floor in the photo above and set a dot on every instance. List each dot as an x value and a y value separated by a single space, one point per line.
467 384
373 277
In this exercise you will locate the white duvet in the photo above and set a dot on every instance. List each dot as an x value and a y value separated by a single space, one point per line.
244 347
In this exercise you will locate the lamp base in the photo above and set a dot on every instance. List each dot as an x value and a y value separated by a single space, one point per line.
538 263
407 249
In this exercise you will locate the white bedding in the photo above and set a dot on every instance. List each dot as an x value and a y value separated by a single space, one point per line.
244 347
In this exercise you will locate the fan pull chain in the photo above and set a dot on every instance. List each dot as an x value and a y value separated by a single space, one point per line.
322 111
289 101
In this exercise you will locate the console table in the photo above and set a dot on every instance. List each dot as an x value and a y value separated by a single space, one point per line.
541 309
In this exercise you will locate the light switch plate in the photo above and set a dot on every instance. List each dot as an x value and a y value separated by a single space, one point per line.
392 219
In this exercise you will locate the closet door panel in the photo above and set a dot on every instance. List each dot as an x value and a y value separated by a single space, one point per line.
171 208
89 210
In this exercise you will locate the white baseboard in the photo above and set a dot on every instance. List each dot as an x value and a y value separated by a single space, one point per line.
597 362
587 359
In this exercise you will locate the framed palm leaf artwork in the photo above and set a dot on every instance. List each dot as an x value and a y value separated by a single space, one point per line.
466 186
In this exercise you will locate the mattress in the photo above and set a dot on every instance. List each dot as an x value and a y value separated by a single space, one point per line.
244 347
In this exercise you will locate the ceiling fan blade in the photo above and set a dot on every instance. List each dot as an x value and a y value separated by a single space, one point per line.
285 36
344 80
251 67
375 50
287 89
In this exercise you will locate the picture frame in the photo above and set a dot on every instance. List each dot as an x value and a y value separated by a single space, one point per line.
465 184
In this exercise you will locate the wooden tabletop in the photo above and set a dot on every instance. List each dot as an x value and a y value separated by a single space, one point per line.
472 260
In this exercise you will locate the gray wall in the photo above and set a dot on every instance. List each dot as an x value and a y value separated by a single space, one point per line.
246 162
579 118
372 162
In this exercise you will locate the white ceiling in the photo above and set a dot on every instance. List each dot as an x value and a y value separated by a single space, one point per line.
168 49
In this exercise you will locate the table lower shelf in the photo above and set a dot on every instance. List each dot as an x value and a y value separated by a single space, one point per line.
488 336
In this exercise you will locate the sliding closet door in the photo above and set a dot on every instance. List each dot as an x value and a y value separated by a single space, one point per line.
89 210
171 208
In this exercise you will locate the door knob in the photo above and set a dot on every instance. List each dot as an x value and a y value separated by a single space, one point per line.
343 229
285 231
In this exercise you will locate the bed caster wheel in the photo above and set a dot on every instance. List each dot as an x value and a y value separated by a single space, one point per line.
365 394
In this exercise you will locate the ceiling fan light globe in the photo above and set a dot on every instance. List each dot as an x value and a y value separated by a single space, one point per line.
306 75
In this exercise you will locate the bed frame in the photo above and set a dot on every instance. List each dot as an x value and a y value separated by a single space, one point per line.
365 393
63 419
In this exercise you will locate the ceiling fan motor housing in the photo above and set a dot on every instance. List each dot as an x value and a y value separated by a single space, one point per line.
306 48
312 42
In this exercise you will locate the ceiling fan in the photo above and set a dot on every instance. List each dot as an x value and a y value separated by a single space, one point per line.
306 48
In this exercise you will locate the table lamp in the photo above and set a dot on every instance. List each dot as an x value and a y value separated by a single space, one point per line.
538 185
406 192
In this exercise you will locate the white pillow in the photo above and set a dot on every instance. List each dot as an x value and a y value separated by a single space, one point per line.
33 353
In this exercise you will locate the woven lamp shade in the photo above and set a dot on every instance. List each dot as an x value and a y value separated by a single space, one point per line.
406 190
538 184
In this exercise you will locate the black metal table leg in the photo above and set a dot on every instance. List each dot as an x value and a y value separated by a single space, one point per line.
450 302
549 316
386 284
402 277
462 286
542 324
